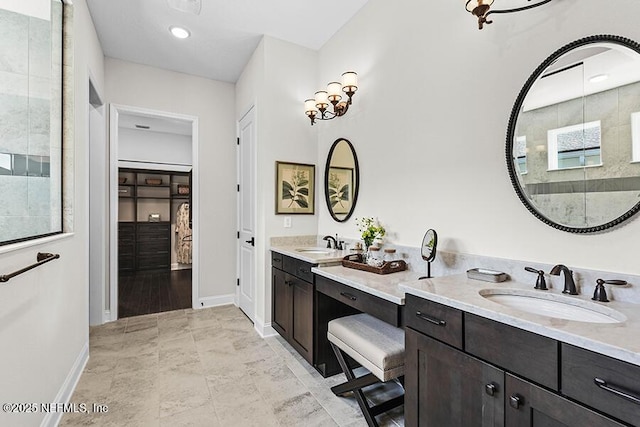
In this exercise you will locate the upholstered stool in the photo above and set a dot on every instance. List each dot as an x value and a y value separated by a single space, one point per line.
377 346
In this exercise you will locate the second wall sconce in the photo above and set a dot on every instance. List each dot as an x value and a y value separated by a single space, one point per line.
481 9
332 95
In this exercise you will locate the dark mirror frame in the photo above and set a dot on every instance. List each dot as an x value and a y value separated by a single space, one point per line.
356 185
513 173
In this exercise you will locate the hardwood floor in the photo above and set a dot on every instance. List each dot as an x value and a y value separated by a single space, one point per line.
154 291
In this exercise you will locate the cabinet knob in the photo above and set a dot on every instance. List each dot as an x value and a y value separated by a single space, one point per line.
288 282
515 401
491 389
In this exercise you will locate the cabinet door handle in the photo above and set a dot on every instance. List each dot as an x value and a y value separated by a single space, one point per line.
304 270
515 401
613 389
347 295
430 319
288 282
490 389
277 259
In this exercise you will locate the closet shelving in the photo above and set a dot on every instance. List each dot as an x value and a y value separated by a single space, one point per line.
147 203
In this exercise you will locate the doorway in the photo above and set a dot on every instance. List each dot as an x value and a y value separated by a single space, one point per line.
154 211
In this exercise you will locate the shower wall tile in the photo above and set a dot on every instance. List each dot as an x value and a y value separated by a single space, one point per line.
39 47
40 88
39 196
14 84
12 227
39 127
14 201
14 42
14 130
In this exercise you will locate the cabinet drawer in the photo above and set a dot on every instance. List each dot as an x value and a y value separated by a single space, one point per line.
298 268
151 230
524 353
434 319
154 247
377 307
276 260
619 395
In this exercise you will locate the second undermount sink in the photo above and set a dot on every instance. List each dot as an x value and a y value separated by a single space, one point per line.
317 251
553 305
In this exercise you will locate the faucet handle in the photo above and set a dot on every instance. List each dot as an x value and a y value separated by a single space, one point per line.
541 284
600 294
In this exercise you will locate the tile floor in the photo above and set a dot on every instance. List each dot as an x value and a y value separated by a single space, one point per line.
207 368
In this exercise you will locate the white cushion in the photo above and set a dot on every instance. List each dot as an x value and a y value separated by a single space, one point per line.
375 344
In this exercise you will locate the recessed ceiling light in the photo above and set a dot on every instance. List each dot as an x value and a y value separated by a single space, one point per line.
599 78
179 32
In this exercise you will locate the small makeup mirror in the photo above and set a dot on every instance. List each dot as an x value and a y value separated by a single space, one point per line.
428 249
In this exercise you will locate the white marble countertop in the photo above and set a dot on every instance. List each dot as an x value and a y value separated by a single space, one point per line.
333 256
618 340
384 286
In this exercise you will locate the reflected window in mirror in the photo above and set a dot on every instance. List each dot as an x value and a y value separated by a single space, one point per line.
521 154
31 120
573 141
341 180
575 146
635 136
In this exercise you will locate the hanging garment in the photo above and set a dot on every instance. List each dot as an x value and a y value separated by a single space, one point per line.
183 243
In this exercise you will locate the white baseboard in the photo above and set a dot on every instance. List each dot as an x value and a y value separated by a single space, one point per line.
178 266
265 330
52 419
216 301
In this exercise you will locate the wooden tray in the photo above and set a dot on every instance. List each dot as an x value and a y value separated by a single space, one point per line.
356 261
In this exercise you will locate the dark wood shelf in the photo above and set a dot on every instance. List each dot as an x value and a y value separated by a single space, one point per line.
146 245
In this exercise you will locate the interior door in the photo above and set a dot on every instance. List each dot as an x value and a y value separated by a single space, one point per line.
246 214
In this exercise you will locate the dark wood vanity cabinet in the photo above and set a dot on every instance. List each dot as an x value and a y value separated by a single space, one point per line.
478 372
446 387
292 302
528 405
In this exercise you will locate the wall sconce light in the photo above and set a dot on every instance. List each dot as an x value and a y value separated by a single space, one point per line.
332 95
480 8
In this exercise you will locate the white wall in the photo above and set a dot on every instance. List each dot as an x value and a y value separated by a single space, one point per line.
150 146
213 103
430 119
279 77
38 8
44 313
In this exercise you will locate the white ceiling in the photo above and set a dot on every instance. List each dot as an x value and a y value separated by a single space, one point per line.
223 35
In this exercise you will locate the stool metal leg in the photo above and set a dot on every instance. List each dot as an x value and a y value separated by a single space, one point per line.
359 395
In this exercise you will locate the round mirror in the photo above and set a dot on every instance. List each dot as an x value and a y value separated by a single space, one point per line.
341 180
573 141
429 243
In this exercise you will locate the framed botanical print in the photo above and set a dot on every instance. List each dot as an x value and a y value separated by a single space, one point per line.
340 189
295 188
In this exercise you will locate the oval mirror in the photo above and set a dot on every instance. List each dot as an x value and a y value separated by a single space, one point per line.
429 243
341 180
573 141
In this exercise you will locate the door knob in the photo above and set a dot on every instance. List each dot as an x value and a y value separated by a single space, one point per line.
252 242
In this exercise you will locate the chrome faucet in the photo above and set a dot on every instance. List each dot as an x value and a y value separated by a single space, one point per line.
569 284
329 239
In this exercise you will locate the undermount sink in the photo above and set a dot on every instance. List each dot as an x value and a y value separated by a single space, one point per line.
317 251
553 305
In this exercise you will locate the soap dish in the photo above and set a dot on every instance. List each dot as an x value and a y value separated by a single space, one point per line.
487 275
